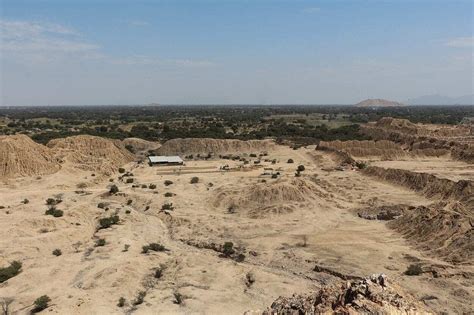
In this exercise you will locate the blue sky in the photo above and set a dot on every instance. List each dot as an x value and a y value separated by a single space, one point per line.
63 52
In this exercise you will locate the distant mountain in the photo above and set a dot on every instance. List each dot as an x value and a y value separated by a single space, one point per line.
436 99
378 102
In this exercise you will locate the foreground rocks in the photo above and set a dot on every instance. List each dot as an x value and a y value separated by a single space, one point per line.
372 295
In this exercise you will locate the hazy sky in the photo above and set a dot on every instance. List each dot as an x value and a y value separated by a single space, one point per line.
261 52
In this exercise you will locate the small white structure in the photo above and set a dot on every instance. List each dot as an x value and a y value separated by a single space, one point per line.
165 160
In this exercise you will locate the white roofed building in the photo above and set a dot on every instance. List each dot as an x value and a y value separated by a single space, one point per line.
165 160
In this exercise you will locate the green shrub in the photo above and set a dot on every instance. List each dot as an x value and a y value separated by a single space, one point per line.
178 298
108 222
41 303
168 194
194 180
167 206
25 201
300 168
228 249
113 189
129 202
101 205
156 247
121 302
361 165
152 186
158 273
290 161
414 270
129 180
121 170
10 271
140 298
100 242
51 201
54 212
57 252
168 182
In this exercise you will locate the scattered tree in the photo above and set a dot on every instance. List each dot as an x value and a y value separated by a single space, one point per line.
10 271
41 303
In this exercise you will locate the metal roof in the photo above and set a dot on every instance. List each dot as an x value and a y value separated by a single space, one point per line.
165 159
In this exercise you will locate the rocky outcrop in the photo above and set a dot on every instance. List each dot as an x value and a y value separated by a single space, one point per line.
373 295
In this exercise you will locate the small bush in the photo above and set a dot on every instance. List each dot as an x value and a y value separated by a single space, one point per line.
125 248
156 247
25 201
300 168
414 270
128 211
361 165
108 222
194 180
158 273
168 182
101 205
129 180
41 303
144 186
253 155
113 189
10 271
168 194
249 279
167 206
228 249
178 298
54 212
51 201
140 298
121 170
152 186
290 161
57 252
129 202
100 242
274 176
121 302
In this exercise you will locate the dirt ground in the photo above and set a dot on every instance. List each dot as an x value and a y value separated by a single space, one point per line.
283 235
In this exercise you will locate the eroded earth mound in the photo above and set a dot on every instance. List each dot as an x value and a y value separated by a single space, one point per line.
21 156
214 146
91 153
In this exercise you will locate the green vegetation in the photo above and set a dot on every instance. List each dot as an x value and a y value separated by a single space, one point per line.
194 180
108 222
57 252
10 271
113 189
414 270
100 242
156 247
140 298
54 212
41 303
300 124
121 302
228 249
